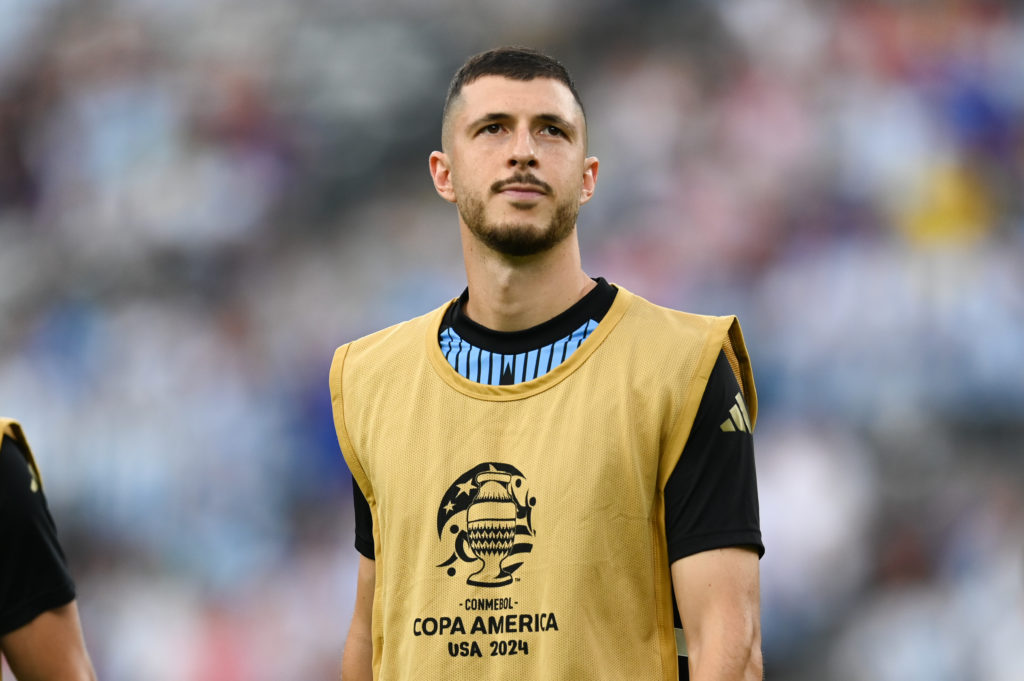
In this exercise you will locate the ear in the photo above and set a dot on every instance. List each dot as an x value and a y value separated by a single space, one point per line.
590 165
441 173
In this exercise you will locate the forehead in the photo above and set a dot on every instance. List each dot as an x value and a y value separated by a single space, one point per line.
497 94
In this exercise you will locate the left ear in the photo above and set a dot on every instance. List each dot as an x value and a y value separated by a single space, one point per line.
590 165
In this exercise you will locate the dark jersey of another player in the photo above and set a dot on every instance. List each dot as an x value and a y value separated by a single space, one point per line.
710 498
33 574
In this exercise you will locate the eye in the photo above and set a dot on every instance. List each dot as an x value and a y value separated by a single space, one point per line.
492 129
554 131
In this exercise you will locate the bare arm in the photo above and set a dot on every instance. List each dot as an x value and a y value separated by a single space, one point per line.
357 660
49 648
718 594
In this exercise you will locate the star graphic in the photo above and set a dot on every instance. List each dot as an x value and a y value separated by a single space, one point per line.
449 507
465 488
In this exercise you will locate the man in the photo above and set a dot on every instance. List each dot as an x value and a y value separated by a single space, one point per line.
548 464
40 633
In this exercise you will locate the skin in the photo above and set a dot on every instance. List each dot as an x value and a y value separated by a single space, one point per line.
498 130
718 595
357 658
49 648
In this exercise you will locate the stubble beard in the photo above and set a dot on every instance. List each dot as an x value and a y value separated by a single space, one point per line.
518 238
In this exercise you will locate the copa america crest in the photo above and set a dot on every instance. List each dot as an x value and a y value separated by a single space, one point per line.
486 517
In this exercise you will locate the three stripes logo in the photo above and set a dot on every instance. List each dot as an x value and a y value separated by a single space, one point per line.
739 418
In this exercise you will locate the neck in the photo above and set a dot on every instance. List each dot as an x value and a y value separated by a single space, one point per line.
512 293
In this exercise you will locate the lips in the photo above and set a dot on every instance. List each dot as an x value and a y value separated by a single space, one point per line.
522 191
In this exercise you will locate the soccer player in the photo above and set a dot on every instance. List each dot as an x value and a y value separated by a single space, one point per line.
554 478
40 634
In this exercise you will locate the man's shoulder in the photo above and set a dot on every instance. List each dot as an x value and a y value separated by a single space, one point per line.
669 322
395 339
664 332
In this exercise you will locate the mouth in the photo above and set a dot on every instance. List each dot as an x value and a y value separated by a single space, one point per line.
519 192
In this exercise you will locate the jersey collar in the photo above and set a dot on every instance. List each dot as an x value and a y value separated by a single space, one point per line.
501 393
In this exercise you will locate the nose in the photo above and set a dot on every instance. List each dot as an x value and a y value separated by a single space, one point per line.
523 154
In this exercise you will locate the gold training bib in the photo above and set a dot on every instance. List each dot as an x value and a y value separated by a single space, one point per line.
519 530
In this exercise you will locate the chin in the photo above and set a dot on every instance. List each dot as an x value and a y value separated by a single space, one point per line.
518 231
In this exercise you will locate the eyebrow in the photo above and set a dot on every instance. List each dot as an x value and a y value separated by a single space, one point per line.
560 122
497 116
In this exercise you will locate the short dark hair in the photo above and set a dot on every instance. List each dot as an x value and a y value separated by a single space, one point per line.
517 63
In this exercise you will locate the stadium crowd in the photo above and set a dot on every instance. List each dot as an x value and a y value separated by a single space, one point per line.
199 200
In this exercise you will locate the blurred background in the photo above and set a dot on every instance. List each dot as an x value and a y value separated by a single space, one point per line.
201 199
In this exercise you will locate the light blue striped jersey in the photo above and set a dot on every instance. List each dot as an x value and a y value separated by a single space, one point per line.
507 358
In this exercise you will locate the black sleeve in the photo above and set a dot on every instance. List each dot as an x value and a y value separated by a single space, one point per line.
33 575
364 522
711 496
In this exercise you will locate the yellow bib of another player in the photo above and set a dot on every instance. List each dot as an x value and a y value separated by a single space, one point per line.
12 429
519 530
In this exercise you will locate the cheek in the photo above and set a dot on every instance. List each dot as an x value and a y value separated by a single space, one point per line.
467 194
466 174
458 186
572 185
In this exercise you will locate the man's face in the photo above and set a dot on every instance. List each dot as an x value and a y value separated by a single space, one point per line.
515 163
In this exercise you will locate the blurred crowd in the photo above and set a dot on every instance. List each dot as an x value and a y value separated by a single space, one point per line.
201 199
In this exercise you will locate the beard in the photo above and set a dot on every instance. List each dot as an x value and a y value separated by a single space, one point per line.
518 238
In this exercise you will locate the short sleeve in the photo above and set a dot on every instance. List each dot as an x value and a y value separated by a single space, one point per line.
33 573
364 522
711 496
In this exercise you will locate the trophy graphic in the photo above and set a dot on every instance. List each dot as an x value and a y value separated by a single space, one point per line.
491 527
486 517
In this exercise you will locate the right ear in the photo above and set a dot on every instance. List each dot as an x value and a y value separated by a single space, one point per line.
441 172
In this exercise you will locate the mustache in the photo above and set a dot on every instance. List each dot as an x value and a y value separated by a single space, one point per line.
522 178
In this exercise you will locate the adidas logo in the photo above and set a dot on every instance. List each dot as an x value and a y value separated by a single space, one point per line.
739 419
